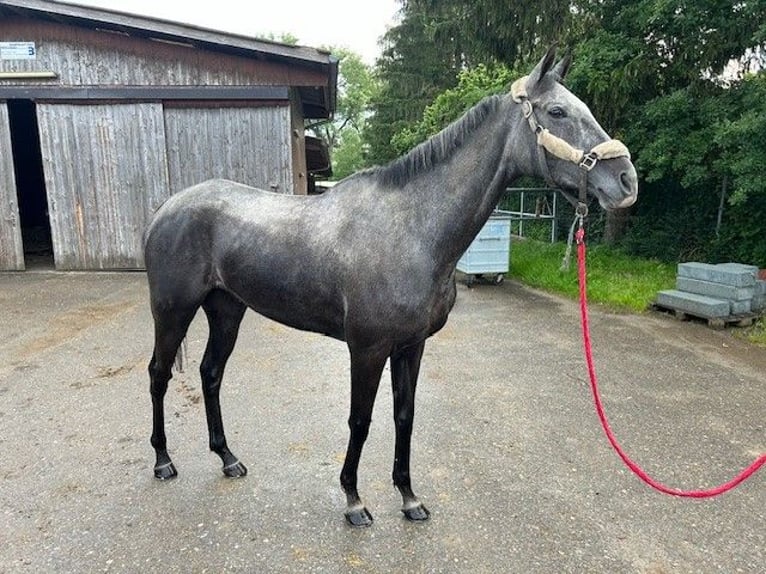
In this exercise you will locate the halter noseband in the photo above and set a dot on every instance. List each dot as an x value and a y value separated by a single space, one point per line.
556 146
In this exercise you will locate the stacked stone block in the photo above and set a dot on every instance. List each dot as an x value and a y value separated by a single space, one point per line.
716 291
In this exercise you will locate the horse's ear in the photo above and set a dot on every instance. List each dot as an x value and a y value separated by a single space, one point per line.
560 70
541 69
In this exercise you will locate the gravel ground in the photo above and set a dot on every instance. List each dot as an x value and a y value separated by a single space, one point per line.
507 454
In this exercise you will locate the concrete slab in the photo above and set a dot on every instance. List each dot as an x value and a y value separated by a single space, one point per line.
693 304
741 307
507 451
739 267
715 290
759 298
735 276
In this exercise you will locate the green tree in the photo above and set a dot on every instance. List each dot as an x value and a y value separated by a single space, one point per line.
507 31
652 71
473 85
631 52
412 71
741 136
702 160
356 88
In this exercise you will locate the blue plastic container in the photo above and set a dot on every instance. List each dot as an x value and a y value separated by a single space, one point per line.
489 253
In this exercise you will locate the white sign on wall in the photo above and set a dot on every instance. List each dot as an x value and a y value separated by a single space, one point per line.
18 51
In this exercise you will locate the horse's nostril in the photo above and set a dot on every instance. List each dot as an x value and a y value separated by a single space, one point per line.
628 182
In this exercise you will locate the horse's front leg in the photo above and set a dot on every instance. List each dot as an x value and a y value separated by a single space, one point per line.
405 366
366 369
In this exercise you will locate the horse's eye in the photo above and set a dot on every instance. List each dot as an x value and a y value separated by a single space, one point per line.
557 112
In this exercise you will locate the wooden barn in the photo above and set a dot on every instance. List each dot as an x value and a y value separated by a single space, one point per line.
104 115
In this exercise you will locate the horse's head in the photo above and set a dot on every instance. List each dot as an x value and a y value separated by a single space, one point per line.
574 152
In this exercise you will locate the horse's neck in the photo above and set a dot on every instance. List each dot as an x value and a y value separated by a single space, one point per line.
457 197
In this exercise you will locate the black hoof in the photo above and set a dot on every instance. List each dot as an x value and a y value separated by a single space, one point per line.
417 513
359 517
165 471
235 470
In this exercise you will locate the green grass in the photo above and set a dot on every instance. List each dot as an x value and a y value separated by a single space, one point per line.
616 280
756 333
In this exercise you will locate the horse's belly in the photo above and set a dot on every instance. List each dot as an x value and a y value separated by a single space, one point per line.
304 320
307 309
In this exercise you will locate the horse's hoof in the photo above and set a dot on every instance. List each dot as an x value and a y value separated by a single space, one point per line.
165 471
235 470
359 517
417 513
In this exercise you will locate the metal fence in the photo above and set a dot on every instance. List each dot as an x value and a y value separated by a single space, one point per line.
534 211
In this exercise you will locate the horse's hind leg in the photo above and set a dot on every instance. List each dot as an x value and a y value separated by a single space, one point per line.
169 330
224 315
405 366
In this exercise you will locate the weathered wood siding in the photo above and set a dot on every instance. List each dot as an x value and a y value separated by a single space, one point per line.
115 145
298 141
11 247
105 173
250 145
83 57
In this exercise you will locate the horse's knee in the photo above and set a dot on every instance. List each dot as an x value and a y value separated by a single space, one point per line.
158 379
211 377
359 428
403 421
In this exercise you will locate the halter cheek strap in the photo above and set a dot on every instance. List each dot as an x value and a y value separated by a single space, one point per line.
561 149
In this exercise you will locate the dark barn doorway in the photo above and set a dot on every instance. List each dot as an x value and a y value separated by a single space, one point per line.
30 184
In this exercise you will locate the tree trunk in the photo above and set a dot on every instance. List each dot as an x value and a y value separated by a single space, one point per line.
719 218
614 226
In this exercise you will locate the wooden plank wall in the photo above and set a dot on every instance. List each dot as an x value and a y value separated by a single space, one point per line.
250 145
109 165
84 57
298 144
11 247
105 174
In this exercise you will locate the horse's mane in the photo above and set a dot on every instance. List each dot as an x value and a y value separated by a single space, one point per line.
430 153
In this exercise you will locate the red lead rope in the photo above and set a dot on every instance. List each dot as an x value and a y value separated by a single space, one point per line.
637 470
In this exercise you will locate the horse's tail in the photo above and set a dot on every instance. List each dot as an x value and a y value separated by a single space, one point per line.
180 357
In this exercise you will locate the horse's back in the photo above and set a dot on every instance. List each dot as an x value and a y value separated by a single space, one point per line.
198 209
261 246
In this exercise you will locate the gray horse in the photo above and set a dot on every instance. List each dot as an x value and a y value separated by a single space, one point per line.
371 262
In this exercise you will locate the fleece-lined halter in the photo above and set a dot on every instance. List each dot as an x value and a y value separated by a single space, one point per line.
556 146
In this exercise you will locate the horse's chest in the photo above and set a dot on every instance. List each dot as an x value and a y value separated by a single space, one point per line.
441 306
424 312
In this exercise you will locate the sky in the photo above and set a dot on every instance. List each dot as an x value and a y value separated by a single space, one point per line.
353 24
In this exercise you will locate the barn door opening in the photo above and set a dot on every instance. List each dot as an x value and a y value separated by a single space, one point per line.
30 184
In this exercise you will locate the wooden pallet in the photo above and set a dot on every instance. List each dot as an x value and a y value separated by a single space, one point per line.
738 320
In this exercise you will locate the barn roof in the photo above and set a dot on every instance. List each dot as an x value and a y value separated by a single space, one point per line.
317 103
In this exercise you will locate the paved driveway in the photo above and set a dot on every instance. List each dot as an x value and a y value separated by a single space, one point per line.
508 454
